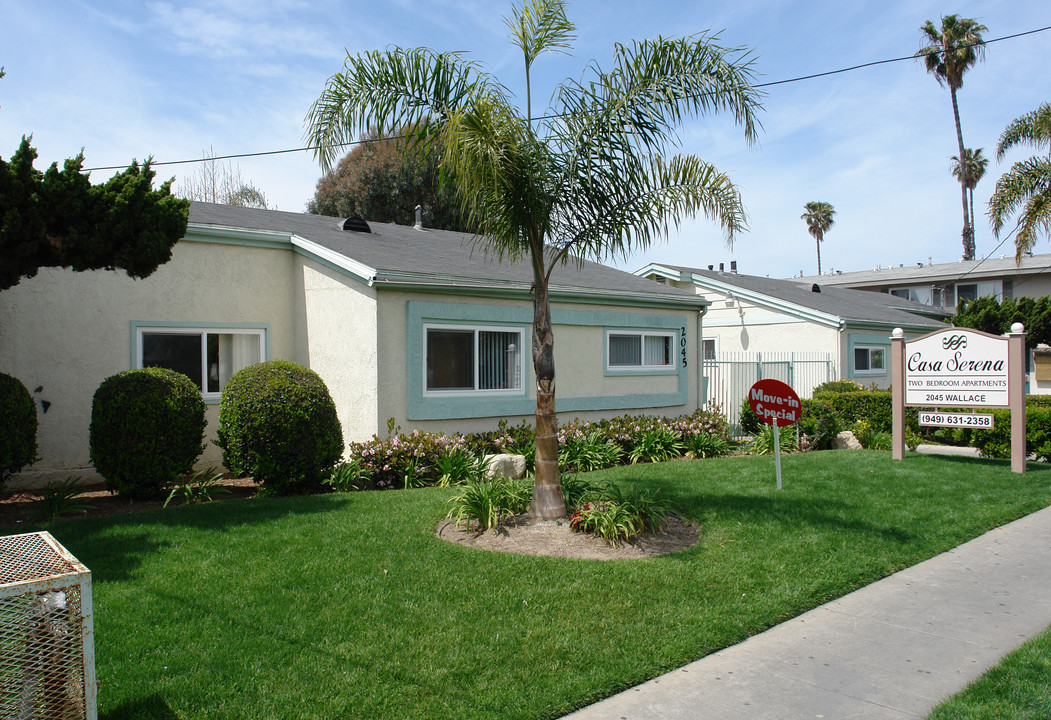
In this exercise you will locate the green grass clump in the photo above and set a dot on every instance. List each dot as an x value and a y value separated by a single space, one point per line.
348 605
1019 687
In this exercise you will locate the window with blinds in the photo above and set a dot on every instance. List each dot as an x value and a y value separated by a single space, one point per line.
627 350
473 359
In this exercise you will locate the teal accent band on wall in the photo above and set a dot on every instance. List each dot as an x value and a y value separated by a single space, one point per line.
421 407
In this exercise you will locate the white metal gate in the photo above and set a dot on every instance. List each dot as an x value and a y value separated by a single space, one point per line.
728 376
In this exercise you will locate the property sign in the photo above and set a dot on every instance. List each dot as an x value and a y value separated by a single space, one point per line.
774 402
957 367
980 421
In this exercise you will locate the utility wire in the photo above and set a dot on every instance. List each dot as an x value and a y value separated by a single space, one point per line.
237 156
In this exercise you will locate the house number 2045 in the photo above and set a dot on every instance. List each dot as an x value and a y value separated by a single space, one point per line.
682 345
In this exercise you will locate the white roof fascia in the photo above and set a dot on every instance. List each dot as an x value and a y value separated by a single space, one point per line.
359 270
763 299
660 271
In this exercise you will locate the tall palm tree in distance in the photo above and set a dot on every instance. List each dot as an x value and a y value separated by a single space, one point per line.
1026 187
974 165
951 51
594 177
820 217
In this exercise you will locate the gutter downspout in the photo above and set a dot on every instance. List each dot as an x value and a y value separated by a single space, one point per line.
701 396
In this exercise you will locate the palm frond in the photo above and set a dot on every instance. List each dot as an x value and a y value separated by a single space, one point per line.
653 87
540 26
952 49
1024 189
1033 128
415 88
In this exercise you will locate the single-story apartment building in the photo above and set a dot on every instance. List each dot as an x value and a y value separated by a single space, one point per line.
802 333
420 326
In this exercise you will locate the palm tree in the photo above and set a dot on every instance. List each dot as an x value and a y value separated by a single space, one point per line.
820 217
592 178
975 164
1027 185
950 52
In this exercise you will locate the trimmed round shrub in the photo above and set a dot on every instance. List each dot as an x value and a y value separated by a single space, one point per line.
147 428
277 423
18 425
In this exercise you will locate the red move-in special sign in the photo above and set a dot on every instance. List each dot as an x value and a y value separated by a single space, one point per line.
774 400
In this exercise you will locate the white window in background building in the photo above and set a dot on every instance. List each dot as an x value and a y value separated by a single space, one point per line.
208 356
869 360
468 360
626 350
975 290
922 294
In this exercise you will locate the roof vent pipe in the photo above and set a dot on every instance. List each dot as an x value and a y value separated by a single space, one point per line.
711 267
419 219
720 267
733 266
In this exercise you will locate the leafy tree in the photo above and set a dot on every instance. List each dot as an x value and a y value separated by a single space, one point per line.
970 172
591 178
59 219
382 180
993 316
820 217
220 183
1026 187
951 51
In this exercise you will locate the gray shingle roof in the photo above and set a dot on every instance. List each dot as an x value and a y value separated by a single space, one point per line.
850 305
452 257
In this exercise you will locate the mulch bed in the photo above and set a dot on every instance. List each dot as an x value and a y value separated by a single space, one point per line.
17 507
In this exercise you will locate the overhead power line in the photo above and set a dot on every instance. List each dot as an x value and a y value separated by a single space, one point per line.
801 78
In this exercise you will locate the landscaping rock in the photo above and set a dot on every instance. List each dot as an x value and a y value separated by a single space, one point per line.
846 441
508 466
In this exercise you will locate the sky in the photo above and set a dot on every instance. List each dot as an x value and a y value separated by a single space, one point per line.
130 79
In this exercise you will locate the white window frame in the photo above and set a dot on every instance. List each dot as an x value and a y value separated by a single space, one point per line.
642 335
202 332
714 340
882 349
476 329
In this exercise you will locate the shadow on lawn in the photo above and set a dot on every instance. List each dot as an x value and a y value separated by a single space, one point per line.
150 707
790 512
113 547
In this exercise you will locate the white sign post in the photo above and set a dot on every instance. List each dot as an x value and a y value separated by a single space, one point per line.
959 367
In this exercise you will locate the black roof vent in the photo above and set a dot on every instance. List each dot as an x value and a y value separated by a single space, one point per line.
815 288
355 224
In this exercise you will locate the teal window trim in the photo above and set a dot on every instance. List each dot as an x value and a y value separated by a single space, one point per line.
138 326
428 406
870 342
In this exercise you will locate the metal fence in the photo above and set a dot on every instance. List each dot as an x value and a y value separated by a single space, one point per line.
728 377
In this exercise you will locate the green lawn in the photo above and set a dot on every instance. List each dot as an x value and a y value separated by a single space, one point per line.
348 606
1018 688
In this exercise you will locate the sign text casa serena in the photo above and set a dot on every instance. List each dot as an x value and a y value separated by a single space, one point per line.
957 367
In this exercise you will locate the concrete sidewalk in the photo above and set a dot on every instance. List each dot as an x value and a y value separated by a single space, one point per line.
893 649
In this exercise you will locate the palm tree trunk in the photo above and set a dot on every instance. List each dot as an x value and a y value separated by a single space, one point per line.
968 240
547 486
970 197
818 242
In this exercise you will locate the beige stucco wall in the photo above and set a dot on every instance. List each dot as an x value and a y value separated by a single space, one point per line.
336 335
67 331
579 364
